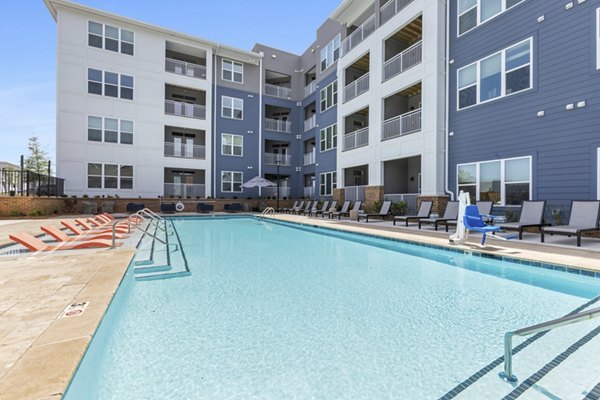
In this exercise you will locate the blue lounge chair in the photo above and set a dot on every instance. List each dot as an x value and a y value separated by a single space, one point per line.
474 222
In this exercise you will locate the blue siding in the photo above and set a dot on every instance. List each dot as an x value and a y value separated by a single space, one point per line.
326 160
562 143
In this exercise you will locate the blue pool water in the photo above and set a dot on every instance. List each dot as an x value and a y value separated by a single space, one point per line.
275 312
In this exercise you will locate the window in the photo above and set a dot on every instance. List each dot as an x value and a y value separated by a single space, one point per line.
110 130
330 53
231 181
232 107
110 38
328 137
498 75
329 96
232 145
110 84
232 71
327 182
504 182
110 176
472 13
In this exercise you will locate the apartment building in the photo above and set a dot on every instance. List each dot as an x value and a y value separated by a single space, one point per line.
524 109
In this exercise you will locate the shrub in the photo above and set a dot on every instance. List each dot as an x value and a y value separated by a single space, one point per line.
399 208
36 213
14 213
85 196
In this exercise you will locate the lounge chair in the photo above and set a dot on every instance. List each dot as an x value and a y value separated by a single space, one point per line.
89 227
584 218
324 207
72 226
204 208
313 209
383 213
424 212
344 210
355 207
333 205
532 216
285 210
473 221
296 208
305 209
450 214
168 208
485 210
60 236
35 244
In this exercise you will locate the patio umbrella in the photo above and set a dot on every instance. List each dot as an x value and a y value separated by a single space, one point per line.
258 181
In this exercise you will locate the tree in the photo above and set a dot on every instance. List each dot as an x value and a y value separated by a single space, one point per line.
38 158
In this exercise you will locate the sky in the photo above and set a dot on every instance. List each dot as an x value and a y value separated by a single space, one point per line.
28 45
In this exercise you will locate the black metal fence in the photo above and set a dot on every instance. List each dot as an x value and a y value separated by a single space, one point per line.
28 183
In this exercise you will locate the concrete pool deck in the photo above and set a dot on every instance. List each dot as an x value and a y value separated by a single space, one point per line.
39 352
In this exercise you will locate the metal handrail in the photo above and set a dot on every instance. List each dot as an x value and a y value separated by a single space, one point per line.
542 327
152 213
129 225
268 210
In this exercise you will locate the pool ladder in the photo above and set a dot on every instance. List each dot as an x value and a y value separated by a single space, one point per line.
507 375
268 211
146 215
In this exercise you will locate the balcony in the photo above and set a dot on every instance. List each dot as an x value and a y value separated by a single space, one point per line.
284 191
310 123
278 125
403 61
310 88
391 8
358 138
401 125
185 68
185 150
278 91
278 159
184 190
309 192
356 88
309 158
182 109
359 35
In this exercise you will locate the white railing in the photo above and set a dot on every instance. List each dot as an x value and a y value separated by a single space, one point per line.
185 68
401 125
360 34
185 150
309 158
403 61
182 109
409 198
277 125
310 123
354 193
281 159
271 191
310 88
184 190
356 139
356 88
278 91
391 8
309 192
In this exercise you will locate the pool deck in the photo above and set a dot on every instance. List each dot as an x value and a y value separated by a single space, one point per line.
39 351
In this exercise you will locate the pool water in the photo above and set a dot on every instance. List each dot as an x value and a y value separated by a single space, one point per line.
276 312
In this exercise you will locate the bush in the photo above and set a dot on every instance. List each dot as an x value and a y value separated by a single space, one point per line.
14 214
399 208
36 213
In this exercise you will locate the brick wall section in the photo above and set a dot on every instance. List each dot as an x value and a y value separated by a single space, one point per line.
14 206
439 203
373 194
339 194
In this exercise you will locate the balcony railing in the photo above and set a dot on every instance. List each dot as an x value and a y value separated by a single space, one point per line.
360 34
401 125
310 88
278 125
184 190
310 123
356 139
309 192
356 88
281 159
409 198
182 109
185 150
354 193
309 158
403 61
278 91
185 68
271 191
391 8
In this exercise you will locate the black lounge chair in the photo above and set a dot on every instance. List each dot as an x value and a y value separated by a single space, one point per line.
584 218
344 210
532 216
204 208
311 210
450 214
135 207
384 211
324 208
285 210
356 207
168 208
424 212
295 208
332 205
303 210
485 210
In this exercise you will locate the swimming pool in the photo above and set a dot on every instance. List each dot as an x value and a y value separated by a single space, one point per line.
278 311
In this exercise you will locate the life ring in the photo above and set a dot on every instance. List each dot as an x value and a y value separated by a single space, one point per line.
179 206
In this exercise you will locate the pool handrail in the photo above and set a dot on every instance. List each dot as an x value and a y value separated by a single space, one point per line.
130 224
267 211
507 375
